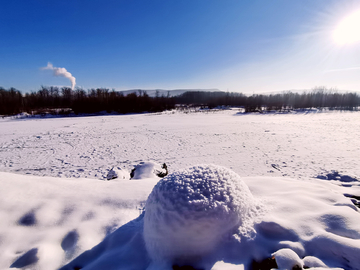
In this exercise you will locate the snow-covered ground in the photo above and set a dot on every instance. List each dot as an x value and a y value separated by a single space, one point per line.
296 145
46 222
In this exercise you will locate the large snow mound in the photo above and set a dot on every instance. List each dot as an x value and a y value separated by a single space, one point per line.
190 211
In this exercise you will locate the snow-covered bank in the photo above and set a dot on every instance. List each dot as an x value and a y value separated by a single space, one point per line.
298 146
61 218
46 222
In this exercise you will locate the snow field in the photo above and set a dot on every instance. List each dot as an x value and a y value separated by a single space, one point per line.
293 145
46 222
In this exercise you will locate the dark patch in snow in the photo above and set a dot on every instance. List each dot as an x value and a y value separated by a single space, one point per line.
275 166
335 224
70 240
132 173
274 231
89 215
129 238
335 175
68 210
141 208
28 219
266 264
354 199
26 259
118 203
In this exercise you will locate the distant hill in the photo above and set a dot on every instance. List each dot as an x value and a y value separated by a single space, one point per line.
162 92
301 91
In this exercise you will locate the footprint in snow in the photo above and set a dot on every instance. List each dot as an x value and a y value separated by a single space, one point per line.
69 244
70 240
26 259
28 219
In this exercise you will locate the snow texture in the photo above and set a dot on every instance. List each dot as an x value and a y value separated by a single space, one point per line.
191 210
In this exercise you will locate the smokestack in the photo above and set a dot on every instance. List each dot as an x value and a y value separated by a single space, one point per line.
61 72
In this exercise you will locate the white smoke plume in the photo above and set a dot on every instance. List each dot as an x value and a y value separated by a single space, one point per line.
62 72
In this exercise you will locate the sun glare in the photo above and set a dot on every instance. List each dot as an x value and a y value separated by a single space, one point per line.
348 30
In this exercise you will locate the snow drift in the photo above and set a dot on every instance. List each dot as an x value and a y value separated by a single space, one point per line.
47 222
306 223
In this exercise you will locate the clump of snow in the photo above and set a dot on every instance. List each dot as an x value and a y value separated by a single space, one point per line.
221 265
148 170
118 173
287 259
190 211
311 261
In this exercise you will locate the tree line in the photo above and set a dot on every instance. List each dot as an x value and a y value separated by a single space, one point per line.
319 98
65 100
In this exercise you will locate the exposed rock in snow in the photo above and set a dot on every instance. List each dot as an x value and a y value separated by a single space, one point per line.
190 211
266 264
148 170
117 172
354 199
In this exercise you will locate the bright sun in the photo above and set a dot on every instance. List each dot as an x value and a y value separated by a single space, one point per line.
348 30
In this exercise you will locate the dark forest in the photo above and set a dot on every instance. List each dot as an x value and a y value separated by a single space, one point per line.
64 101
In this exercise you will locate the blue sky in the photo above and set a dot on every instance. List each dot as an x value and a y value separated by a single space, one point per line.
246 46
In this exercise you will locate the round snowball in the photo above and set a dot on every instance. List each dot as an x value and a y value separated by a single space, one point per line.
190 211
